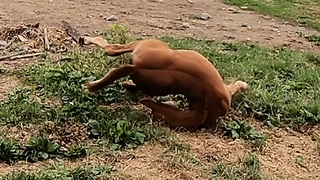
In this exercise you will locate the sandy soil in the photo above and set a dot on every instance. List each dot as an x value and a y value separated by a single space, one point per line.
158 17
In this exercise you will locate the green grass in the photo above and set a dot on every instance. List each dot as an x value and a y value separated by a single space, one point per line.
248 168
2 71
304 12
93 172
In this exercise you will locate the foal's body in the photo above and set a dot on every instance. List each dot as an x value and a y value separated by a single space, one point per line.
157 70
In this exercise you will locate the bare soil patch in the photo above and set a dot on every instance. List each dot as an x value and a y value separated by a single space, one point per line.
152 18
6 84
291 155
21 134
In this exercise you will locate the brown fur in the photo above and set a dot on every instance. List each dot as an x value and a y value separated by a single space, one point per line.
157 70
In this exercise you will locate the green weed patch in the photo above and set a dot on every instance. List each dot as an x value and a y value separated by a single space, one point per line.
80 173
237 129
37 149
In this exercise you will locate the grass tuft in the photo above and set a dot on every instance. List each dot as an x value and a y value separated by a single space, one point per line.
40 148
9 151
249 168
179 156
314 38
37 149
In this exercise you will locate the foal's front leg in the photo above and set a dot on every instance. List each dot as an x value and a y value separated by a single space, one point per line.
112 75
236 87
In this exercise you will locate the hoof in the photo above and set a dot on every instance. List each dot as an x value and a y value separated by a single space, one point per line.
90 87
171 103
243 85
128 84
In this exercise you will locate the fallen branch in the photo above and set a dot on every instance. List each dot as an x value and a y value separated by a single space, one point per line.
11 55
71 31
46 40
26 55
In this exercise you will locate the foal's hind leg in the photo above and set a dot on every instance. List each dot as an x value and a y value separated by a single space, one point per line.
175 117
112 75
112 49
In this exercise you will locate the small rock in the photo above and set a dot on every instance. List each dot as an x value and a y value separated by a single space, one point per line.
23 48
233 11
112 18
50 1
291 145
277 135
3 43
185 25
266 17
205 16
229 36
245 25
190 1
244 7
248 39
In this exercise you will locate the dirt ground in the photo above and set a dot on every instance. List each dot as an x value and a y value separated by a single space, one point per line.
159 17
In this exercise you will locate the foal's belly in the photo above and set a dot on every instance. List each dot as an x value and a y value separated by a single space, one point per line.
164 82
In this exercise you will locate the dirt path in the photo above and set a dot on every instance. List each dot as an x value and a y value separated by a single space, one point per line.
158 17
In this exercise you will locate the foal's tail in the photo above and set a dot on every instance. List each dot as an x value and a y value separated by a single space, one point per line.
112 49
